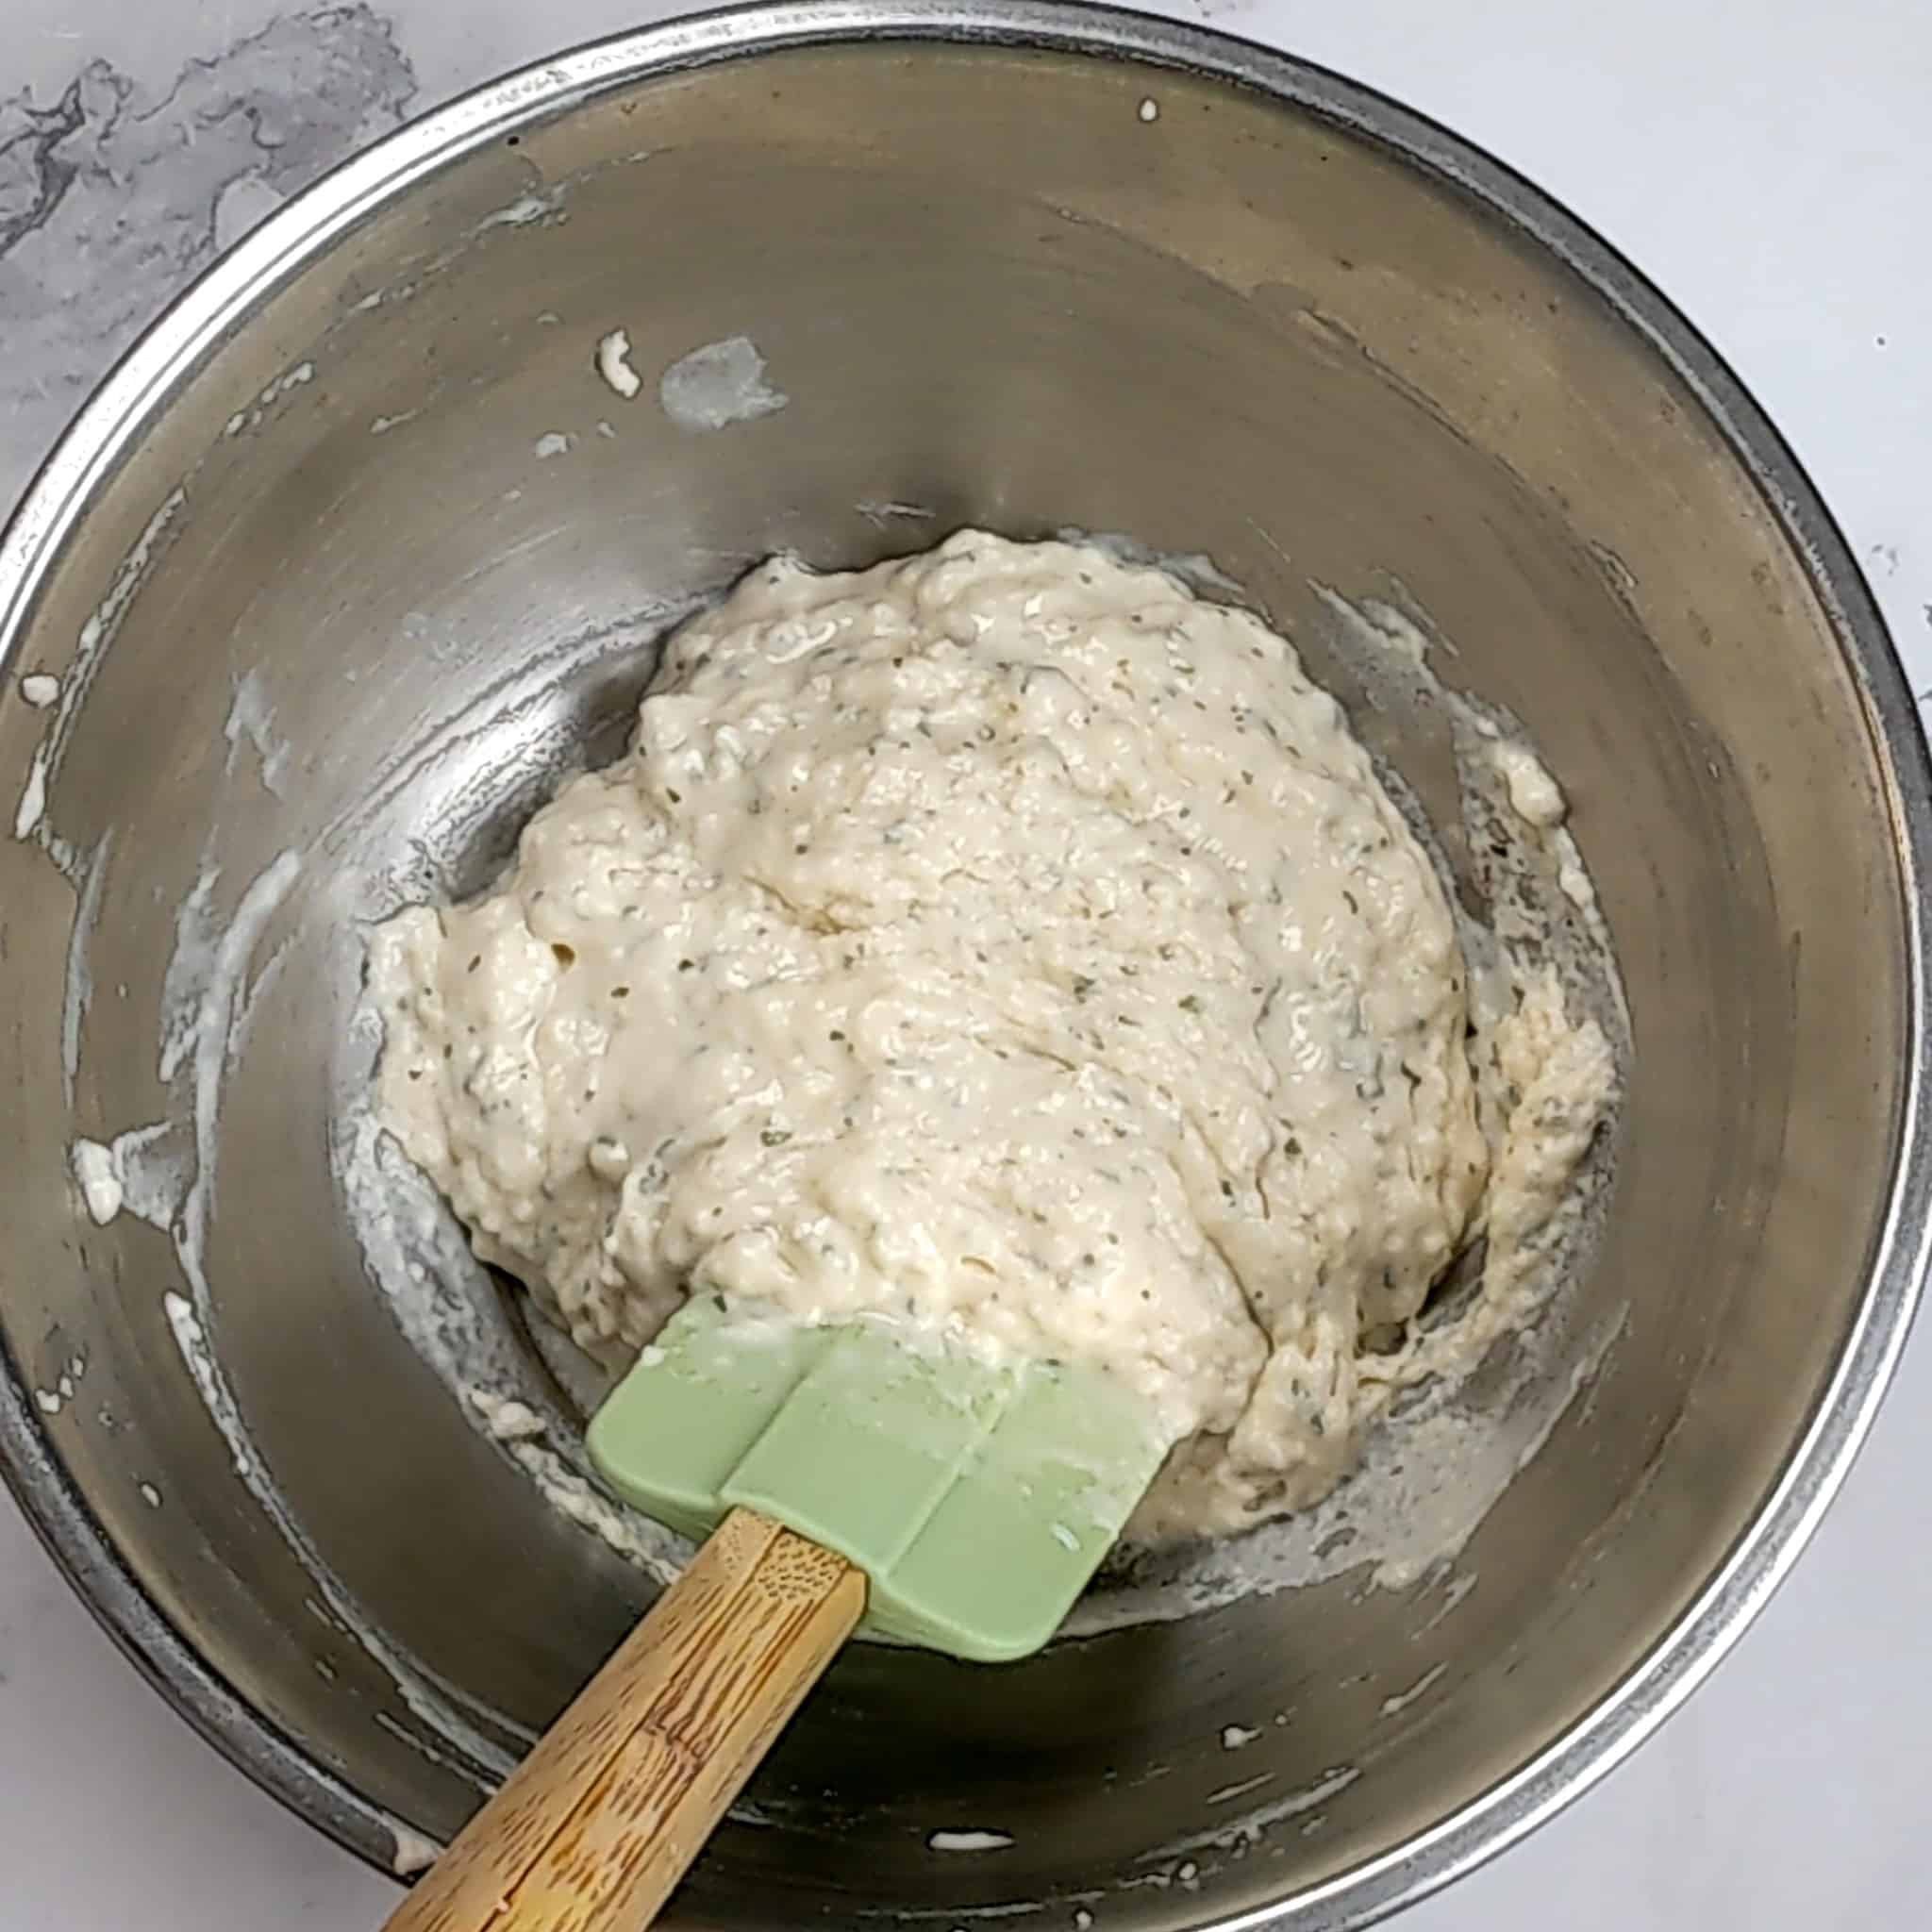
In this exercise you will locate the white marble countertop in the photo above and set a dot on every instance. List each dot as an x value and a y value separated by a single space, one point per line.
1766 163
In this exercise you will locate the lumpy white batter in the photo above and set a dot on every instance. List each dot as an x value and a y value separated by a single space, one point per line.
1006 941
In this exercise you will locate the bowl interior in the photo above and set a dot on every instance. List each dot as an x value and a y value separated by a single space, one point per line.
382 556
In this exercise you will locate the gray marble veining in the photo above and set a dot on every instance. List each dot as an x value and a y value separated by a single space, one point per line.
114 195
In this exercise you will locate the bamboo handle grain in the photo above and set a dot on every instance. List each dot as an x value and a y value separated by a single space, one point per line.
591 1831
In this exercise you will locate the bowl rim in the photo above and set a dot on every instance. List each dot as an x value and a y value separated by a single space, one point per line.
106 430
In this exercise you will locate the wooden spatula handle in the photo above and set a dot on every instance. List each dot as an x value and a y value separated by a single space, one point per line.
591 1831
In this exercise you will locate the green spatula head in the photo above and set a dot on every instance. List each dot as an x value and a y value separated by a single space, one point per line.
978 1500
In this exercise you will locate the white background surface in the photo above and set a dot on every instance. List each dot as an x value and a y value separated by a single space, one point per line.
1769 165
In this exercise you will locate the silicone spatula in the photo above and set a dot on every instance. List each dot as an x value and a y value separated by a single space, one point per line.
837 1472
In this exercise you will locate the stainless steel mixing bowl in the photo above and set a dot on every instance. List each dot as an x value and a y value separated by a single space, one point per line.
1033 267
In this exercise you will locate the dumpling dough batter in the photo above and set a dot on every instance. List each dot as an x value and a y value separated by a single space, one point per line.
1007 941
